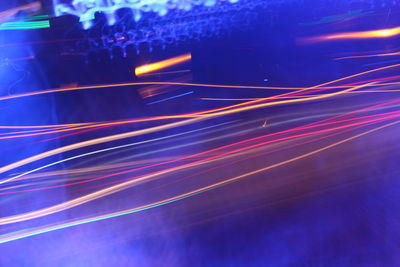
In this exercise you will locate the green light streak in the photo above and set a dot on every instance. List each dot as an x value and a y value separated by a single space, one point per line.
25 25
96 219
39 17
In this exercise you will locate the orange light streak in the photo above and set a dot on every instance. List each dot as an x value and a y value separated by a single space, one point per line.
372 55
249 99
383 33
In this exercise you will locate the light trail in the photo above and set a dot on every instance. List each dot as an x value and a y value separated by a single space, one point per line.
249 99
24 25
19 133
382 33
43 126
382 62
18 235
371 55
145 69
169 98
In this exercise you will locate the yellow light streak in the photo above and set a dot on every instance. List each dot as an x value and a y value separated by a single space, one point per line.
141 70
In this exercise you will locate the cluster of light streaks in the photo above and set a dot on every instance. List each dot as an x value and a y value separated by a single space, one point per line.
27 233
243 143
369 119
198 116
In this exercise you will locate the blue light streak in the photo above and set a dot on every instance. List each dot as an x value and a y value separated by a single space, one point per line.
169 98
